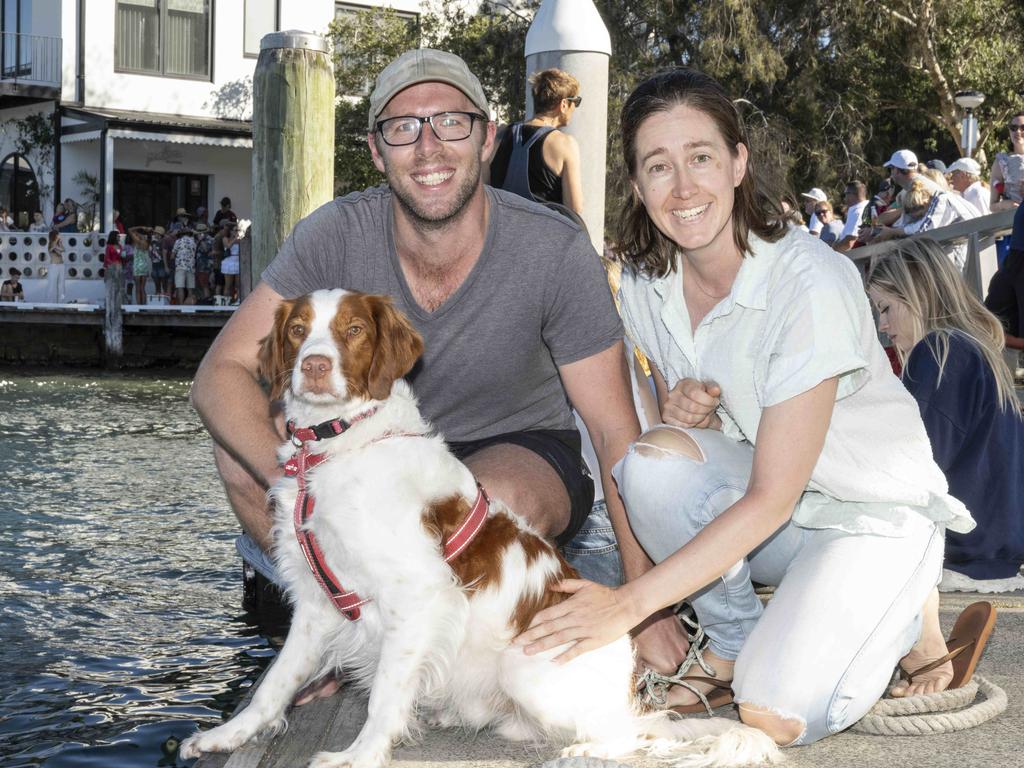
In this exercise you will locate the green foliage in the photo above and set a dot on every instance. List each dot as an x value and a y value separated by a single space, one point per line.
828 88
34 138
89 189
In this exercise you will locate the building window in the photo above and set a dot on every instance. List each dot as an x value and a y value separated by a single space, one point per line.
19 190
163 37
16 53
261 18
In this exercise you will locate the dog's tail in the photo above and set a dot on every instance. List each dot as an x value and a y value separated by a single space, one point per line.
706 742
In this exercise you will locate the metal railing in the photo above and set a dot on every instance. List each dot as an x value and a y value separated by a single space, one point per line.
979 233
30 59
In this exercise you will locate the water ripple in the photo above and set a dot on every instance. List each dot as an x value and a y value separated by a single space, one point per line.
119 586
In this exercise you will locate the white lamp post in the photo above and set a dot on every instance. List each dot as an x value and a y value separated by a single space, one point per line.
969 101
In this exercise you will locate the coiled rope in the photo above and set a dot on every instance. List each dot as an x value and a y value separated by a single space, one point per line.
930 713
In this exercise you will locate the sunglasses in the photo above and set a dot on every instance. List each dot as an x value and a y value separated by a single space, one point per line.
575 100
821 211
1017 126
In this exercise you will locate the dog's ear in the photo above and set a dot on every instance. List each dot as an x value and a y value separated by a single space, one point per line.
398 348
274 365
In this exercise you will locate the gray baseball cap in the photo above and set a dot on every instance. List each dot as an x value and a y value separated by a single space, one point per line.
425 65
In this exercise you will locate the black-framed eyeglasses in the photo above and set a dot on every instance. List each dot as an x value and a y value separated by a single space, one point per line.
447 126
574 100
1017 126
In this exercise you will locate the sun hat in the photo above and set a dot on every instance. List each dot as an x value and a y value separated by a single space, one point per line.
159 230
967 165
180 212
425 65
903 159
815 194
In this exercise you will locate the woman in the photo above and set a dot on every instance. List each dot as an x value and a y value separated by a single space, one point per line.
790 453
1007 182
535 159
55 273
230 265
141 260
951 349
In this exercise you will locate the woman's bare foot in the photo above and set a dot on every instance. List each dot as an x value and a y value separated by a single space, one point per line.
931 646
678 695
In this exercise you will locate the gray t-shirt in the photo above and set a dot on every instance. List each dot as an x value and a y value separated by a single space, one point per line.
537 298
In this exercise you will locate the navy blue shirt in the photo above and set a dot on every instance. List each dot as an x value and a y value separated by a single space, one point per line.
980 447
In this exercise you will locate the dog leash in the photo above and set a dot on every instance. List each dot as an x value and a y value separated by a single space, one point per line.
348 602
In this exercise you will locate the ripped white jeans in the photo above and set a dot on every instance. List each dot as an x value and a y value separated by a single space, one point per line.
846 609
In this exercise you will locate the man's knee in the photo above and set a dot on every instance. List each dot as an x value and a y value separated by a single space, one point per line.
782 730
667 440
526 483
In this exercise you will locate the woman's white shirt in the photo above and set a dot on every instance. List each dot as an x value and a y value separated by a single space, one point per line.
797 314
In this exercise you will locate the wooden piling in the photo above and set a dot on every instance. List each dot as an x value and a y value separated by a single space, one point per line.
113 318
293 138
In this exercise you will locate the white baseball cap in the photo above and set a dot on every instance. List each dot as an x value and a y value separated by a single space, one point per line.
967 165
903 159
815 194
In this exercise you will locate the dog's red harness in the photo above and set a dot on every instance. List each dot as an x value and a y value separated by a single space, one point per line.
302 461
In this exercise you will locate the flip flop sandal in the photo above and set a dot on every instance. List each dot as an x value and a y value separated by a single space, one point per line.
720 695
966 643
653 686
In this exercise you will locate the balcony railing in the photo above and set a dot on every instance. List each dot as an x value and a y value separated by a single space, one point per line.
30 59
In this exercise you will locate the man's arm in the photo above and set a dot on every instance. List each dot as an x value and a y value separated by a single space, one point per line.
572 182
232 404
598 388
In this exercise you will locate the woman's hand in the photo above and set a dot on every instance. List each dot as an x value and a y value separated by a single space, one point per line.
692 403
592 617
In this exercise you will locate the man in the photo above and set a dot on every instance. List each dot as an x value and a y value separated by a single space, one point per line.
511 301
225 212
810 199
831 229
13 290
855 196
965 177
535 159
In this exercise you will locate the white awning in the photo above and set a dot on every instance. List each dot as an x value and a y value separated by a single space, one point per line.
239 142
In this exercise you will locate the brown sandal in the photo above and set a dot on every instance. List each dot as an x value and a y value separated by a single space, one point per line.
966 643
653 687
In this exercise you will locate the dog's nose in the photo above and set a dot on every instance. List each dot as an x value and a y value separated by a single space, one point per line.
316 367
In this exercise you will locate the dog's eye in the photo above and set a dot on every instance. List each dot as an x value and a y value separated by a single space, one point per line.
297 330
354 330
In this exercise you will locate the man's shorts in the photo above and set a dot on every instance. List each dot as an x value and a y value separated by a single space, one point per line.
184 278
561 449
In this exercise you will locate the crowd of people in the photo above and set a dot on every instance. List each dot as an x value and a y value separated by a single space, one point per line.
195 257
191 260
788 453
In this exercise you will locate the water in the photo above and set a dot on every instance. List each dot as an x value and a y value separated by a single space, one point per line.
121 625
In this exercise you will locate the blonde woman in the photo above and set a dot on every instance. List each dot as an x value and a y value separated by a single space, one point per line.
55 273
951 349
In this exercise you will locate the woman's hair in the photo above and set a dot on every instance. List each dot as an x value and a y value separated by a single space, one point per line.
113 237
756 208
549 87
54 234
937 176
917 200
918 273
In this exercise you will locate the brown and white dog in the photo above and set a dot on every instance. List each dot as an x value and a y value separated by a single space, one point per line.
433 641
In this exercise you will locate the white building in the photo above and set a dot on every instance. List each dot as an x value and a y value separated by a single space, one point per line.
151 98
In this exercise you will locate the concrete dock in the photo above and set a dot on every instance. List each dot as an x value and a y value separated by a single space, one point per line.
333 723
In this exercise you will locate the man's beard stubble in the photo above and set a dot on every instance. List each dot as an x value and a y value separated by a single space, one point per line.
431 221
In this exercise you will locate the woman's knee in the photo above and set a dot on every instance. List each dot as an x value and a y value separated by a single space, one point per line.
663 441
783 730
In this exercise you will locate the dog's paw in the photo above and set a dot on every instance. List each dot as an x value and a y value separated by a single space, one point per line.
349 759
209 741
587 749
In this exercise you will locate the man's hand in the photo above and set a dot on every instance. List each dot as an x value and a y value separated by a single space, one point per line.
661 643
692 403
